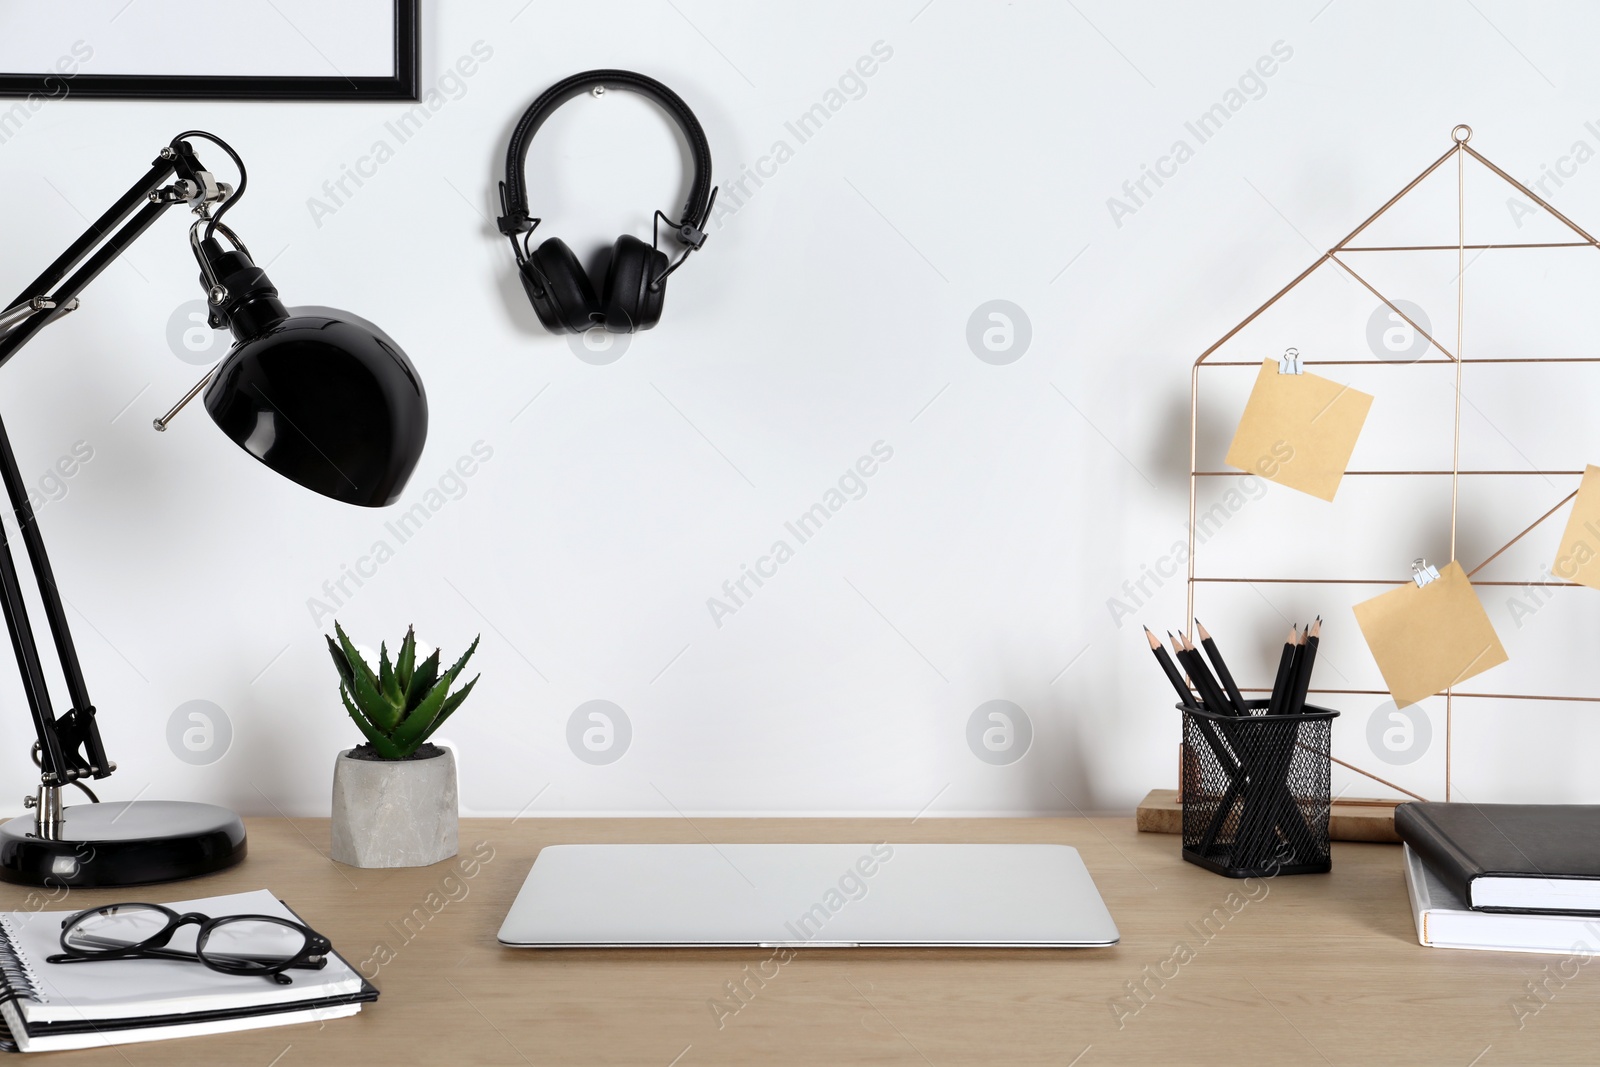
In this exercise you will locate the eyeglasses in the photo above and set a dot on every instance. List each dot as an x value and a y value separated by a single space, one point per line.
233 944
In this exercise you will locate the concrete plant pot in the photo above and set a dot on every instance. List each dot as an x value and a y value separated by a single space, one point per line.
395 813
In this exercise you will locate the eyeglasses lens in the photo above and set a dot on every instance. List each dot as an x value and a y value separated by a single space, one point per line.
251 944
118 927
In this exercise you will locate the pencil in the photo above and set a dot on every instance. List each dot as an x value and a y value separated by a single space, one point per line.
1294 668
1170 670
1204 683
1181 654
1280 685
1303 665
1223 674
1200 674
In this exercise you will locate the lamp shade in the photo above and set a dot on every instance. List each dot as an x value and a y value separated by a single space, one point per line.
327 400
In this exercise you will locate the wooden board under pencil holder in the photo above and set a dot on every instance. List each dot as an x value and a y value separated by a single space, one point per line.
1371 821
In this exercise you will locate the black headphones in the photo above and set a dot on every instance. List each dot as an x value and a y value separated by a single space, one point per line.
635 283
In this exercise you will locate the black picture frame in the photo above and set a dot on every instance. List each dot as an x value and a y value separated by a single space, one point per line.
402 85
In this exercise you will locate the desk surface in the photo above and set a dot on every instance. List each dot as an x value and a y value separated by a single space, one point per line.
1307 969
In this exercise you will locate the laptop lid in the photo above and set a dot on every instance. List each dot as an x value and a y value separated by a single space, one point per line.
981 895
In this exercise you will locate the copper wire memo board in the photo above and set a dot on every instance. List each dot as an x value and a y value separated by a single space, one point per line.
1459 152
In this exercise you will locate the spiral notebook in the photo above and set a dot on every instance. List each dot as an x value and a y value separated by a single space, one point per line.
49 1006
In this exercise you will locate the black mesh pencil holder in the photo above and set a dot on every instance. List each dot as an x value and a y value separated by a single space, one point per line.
1255 791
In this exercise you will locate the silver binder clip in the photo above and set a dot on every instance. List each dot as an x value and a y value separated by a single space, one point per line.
1289 362
1422 573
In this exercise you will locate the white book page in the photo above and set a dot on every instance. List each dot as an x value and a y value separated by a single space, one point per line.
107 1038
1570 894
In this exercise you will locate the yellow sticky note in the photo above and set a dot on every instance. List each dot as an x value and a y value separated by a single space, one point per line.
1578 558
1430 638
1298 430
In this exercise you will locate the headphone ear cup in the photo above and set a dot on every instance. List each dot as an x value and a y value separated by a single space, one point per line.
626 297
558 288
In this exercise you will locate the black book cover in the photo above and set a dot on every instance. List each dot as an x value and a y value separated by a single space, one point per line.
1463 842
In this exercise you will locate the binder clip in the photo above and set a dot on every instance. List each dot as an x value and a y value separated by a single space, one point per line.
1289 362
1422 573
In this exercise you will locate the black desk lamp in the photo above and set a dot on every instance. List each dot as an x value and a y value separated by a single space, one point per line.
320 396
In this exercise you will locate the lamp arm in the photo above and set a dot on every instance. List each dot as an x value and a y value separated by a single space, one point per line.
69 746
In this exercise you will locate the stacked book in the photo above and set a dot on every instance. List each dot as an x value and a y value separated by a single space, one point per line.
49 1006
1504 877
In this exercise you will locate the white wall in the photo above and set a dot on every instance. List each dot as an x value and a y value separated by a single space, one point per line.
828 312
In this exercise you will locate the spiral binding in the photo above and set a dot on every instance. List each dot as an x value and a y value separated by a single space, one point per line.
17 977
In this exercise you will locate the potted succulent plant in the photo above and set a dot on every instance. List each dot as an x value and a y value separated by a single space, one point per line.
394 797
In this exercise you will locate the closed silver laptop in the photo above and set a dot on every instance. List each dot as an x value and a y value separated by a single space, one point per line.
883 894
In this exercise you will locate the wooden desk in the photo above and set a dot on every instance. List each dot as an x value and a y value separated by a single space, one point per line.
1320 968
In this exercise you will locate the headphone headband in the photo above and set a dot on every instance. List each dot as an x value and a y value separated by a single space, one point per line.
513 191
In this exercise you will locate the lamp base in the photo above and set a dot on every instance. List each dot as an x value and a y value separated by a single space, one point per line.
135 842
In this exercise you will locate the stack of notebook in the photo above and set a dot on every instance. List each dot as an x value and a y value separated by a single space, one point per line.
49 1006
1506 877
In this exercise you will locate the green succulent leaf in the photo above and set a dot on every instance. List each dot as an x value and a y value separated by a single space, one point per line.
449 707
416 725
365 688
356 663
462 662
346 675
422 681
406 662
380 742
388 684
384 715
